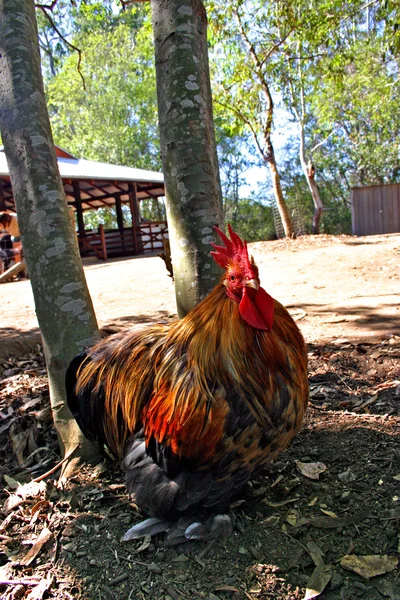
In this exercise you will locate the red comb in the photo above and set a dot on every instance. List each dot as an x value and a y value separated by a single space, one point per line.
235 248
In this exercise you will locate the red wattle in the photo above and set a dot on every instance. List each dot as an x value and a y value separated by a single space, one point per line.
257 308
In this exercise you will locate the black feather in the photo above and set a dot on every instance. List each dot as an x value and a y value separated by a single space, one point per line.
70 382
88 414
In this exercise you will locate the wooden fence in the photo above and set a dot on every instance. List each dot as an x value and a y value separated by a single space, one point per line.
376 209
108 243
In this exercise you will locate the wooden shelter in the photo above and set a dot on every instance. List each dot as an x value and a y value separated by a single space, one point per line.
92 185
375 209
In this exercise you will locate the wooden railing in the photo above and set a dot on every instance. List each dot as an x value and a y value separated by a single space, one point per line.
150 236
147 237
94 244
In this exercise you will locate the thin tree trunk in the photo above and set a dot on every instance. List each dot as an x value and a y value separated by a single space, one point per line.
193 190
276 184
308 169
268 152
309 172
63 305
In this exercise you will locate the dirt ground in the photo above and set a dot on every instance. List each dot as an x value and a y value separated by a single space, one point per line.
337 286
294 536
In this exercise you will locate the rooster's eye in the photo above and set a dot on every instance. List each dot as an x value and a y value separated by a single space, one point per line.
232 278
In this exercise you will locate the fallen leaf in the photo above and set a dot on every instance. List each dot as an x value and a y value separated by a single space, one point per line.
271 521
369 566
396 477
12 502
145 544
19 441
31 489
5 524
278 504
331 523
39 590
329 513
315 552
293 516
7 425
41 506
11 482
45 536
23 492
295 519
318 581
311 470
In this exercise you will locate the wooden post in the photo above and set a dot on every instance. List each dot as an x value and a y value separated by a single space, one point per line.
120 219
79 211
103 242
133 203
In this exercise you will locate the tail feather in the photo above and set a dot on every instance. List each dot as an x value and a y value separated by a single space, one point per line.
87 409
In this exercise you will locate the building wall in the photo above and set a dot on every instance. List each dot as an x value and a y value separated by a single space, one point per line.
376 209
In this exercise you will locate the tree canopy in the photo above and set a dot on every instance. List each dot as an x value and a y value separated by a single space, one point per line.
107 110
332 70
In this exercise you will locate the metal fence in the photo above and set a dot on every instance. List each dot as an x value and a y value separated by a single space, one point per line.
376 209
297 220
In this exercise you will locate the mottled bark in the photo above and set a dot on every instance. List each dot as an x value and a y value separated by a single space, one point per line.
193 191
63 305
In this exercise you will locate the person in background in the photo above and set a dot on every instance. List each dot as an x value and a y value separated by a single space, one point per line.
9 233
9 224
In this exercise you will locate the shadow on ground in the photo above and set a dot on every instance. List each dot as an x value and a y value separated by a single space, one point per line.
17 342
361 316
352 427
268 554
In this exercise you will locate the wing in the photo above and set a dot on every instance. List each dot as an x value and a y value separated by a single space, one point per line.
183 461
108 387
219 411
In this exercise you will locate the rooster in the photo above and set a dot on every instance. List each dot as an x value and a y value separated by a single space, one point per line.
194 408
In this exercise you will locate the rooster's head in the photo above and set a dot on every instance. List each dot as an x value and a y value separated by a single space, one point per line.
242 282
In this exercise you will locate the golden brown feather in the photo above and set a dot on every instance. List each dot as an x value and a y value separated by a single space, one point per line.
194 408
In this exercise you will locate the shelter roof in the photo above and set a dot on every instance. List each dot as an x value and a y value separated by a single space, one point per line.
98 182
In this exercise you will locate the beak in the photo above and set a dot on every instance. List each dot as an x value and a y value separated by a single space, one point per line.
252 283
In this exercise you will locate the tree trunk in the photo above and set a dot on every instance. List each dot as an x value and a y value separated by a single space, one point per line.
63 304
268 152
193 190
309 172
276 184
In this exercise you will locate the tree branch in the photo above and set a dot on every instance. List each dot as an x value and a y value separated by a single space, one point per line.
264 85
47 6
247 122
126 3
44 8
274 48
323 142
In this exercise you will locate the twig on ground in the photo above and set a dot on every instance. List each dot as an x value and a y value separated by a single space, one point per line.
56 467
19 581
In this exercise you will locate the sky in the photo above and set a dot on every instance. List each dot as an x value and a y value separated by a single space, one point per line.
284 130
